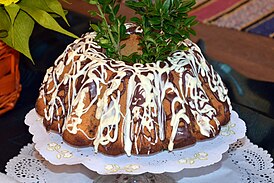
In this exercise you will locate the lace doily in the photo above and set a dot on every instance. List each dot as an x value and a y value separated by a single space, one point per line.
203 153
243 162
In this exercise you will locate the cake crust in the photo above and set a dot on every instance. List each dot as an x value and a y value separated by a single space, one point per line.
92 100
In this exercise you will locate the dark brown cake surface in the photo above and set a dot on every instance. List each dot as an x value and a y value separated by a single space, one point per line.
96 101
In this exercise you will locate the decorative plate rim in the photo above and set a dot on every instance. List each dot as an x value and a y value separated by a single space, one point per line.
203 153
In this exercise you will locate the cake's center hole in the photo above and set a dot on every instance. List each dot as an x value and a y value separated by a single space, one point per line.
131 45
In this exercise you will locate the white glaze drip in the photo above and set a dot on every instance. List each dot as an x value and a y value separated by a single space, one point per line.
146 92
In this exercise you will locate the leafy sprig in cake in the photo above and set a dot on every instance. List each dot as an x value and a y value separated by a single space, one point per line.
164 24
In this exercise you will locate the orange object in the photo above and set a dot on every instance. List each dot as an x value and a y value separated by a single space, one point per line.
10 86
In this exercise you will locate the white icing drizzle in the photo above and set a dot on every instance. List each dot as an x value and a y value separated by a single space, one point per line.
88 71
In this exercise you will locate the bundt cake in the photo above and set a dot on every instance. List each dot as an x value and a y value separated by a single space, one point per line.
119 108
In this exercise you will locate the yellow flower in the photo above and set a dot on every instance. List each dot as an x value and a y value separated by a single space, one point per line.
8 2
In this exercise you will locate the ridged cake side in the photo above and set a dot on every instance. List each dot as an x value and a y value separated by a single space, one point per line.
118 108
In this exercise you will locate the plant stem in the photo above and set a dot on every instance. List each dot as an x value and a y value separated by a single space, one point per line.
102 15
117 46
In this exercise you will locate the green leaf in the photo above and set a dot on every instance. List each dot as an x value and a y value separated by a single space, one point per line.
45 20
188 3
135 20
93 2
5 21
12 10
193 23
50 6
93 13
23 27
104 1
183 9
189 20
134 4
104 41
111 18
166 5
192 32
122 46
155 20
150 39
107 9
37 4
95 27
116 9
158 5
56 7
148 3
122 29
5 24
123 19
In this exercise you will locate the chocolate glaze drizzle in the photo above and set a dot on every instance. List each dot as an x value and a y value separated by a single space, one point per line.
83 70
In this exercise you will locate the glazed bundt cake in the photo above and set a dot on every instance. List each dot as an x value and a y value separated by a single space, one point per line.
118 108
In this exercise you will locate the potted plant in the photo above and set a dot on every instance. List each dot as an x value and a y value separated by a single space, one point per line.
18 18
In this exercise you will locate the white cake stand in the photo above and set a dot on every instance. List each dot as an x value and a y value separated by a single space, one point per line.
135 168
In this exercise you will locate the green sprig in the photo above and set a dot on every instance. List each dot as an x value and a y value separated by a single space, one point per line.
112 31
165 23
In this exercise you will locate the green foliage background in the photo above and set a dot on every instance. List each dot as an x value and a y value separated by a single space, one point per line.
18 20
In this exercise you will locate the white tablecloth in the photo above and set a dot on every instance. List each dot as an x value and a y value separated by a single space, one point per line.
7 179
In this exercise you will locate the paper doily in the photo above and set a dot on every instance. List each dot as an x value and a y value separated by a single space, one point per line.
204 153
244 162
